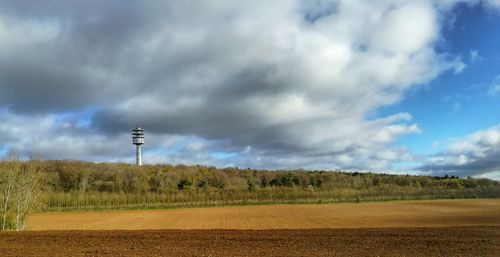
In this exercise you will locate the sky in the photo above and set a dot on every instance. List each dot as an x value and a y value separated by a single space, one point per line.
396 86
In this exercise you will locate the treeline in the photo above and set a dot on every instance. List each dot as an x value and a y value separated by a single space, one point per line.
75 185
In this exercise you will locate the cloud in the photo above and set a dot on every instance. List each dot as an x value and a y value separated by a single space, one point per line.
459 67
494 88
68 136
275 84
477 154
493 3
474 56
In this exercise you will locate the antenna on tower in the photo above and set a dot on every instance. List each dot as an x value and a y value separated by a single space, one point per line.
138 140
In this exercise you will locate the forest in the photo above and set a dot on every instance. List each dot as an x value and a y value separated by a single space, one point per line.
80 186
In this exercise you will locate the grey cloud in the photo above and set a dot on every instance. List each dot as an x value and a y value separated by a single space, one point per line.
482 166
62 56
28 87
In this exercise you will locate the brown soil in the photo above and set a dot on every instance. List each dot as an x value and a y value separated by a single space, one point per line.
439 213
451 241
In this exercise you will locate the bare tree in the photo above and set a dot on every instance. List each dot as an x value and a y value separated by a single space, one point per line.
20 186
8 180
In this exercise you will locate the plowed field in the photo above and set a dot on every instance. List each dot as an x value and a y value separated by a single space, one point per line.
440 213
412 228
414 242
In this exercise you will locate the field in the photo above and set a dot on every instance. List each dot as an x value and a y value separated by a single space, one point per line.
404 228
414 242
436 213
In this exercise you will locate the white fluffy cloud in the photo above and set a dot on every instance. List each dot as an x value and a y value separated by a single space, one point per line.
476 154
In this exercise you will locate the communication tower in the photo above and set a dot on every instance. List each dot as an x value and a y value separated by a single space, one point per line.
138 140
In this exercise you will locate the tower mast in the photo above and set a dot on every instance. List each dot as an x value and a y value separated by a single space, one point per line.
138 140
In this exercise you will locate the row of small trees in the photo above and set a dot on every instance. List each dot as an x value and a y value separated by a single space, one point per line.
74 185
